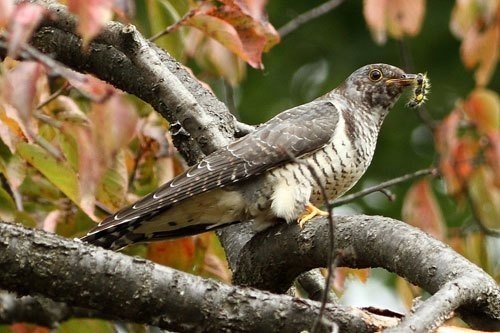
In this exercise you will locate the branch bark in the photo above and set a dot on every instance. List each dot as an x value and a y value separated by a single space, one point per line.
138 290
272 260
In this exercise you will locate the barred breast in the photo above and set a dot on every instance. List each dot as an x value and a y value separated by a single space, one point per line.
284 191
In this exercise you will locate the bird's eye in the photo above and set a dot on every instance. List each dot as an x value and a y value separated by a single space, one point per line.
375 75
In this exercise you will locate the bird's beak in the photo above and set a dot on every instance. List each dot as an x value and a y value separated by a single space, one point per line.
405 81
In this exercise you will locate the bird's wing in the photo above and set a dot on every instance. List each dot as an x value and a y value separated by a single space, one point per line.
292 133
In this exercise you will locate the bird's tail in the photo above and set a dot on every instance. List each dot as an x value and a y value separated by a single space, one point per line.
113 238
116 238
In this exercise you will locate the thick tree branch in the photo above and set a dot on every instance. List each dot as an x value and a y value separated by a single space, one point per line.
272 260
138 290
40 310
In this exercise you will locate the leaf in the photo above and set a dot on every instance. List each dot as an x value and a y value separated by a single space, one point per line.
214 58
92 87
19 94
485 196
92 15
59 174
7 206
475 250
66 109
24 20
483 109
69 148
396 18
477 23
343 273
446 144
85 326
10 132
492 154
12 167
113 188
113 125
178 253
160 15
6 9
51 221
246 36
421 209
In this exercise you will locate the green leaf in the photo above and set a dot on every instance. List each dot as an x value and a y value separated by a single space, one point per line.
57 172
7 206
155 15
69 148
114 185
85 326
485 196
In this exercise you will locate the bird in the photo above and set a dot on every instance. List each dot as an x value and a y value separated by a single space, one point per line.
267 176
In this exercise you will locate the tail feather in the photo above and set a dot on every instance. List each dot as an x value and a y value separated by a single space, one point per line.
116 238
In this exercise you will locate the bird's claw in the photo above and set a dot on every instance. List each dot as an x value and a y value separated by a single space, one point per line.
309 212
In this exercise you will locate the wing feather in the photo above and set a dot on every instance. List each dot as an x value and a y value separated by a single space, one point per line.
295 132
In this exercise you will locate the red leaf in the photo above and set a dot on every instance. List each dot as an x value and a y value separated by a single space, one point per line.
446 142
92 15
92 87
421 210
25 19
113 125
19 91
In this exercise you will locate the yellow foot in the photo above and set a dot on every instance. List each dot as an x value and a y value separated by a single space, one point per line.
310 212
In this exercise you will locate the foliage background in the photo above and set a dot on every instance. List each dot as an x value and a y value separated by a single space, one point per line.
307 63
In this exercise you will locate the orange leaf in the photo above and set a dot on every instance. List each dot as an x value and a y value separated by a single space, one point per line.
92 15
24 20
395 18
10 132
243 34
483 109
178 253
342 273
213 57
421 210
477 23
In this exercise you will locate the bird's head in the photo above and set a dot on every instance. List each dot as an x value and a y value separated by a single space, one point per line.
378 86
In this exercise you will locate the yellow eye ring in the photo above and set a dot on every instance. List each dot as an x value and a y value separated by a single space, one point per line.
375 75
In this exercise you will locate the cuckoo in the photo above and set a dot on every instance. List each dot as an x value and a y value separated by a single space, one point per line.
266 176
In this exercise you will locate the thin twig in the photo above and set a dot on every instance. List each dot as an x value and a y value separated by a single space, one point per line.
56 94
398 180
390 196
331 260
308 16
174 26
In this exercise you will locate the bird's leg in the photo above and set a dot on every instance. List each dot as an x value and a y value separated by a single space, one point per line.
309 212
